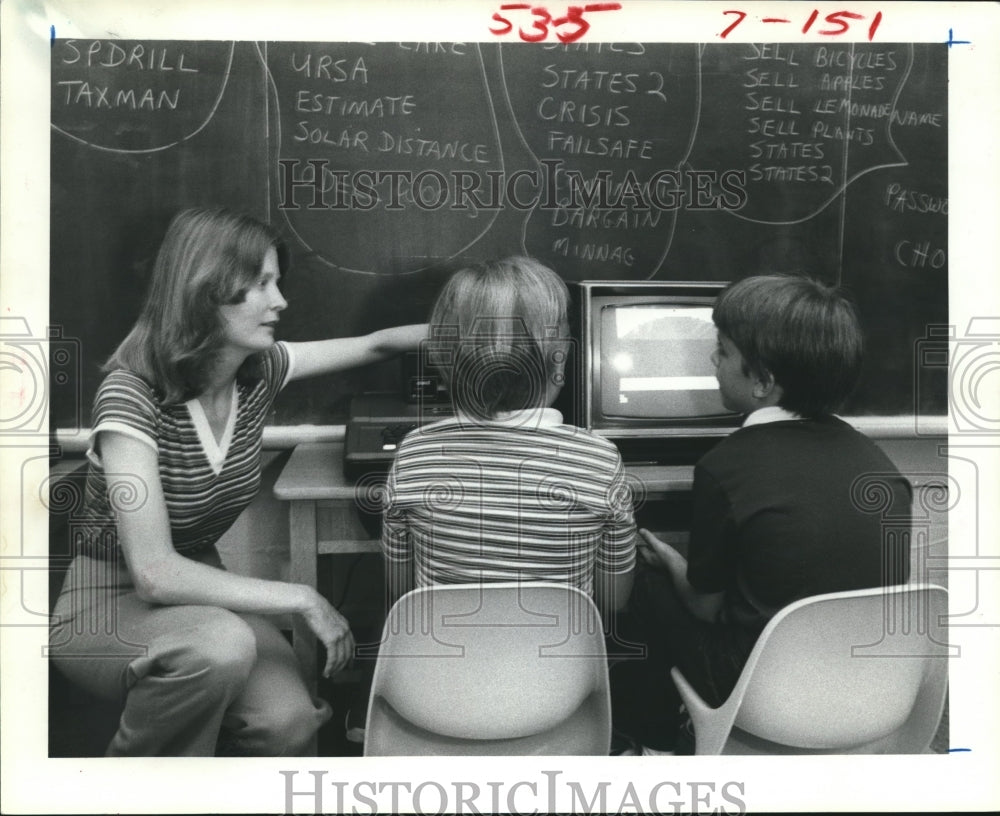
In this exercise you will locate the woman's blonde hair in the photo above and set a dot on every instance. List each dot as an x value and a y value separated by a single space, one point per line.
208 258
500 333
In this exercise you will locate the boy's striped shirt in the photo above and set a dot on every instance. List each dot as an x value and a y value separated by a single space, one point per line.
473 501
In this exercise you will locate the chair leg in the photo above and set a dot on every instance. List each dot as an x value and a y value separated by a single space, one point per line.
711 725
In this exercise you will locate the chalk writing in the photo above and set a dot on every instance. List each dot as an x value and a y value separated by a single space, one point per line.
810 126
146 96
387 165
142 57
78 92
900 199
577 114
326 66
920 255
398 121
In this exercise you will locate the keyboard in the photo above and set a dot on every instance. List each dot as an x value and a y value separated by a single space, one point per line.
377 425
393 434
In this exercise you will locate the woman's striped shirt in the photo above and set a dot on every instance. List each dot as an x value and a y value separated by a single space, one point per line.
206 484
506 501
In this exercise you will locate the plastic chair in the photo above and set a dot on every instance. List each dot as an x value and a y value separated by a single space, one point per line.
848 672
509 669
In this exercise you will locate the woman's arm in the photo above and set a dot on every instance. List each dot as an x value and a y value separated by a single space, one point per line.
323 356
662 556
163 576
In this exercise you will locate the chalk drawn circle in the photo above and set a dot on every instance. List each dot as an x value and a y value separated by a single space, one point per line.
78 96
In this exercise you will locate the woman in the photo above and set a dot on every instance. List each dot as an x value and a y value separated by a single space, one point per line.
174 459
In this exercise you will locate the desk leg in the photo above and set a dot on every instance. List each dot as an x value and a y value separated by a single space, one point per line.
302 570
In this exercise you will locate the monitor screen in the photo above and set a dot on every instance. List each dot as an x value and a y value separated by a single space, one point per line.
655 361
645 370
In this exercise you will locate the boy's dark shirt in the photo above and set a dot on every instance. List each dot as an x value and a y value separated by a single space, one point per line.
788 509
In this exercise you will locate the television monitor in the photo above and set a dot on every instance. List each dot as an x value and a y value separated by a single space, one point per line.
646 378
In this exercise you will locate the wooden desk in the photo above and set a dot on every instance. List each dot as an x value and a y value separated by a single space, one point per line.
323 517
322 520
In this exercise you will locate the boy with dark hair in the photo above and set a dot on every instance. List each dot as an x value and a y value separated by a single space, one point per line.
778 510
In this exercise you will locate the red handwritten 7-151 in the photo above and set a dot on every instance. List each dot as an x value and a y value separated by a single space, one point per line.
535 23
838 22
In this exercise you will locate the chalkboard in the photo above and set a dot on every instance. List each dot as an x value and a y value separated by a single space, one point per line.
388 165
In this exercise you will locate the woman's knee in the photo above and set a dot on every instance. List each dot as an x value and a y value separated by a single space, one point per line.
287 729
222 648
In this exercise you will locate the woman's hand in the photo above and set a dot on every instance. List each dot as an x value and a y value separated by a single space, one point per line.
332 631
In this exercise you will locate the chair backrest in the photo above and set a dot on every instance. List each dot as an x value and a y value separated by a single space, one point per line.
849 668
470 664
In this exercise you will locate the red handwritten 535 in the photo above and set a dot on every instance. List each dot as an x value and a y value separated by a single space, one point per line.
539 23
